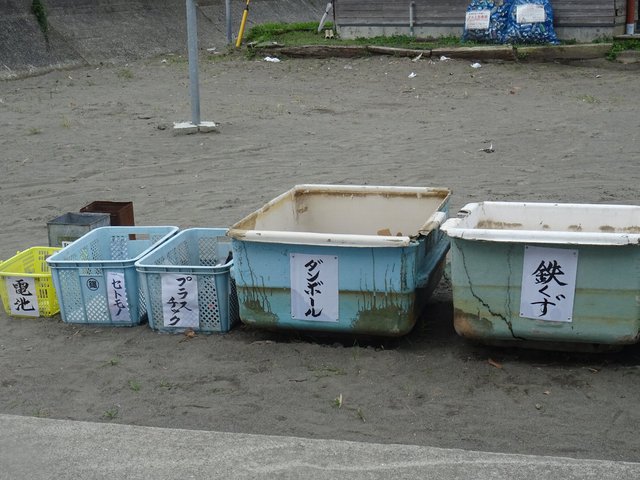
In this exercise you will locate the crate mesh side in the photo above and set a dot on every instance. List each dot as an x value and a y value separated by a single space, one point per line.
208 250
234 308
90 271
142 305
118 247
208 301
97 309
94 251
156 237
154 287
47 300
28 264
160 260
179 254
71 297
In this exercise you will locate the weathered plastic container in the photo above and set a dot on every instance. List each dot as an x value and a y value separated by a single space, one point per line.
499 295
69 227
340 258
187 284
95 277
121 212
26 286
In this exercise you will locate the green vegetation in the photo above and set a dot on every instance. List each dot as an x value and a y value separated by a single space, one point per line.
110 413
268 32
125 73
297 34
588 99
37 8
134 385
327 371
621 46
41 413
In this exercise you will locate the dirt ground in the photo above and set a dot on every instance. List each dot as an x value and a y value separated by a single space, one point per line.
566 133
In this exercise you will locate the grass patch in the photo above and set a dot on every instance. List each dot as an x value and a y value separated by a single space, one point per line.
125 73
306 33
110 413
588 99
621 46
41 413
39 11
327 371
166 384
134 385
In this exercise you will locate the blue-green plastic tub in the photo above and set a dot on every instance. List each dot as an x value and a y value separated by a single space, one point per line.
489 245
349 259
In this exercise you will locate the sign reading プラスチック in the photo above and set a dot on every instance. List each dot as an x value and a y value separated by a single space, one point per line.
548 283
314 287
117 298
180 307
22 296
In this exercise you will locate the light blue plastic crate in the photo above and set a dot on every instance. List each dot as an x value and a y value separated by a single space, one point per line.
95 277
203 254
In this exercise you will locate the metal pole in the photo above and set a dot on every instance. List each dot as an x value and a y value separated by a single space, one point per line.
192 36
227 4
631 17
412 10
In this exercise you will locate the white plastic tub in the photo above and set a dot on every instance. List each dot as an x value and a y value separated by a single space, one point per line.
380 252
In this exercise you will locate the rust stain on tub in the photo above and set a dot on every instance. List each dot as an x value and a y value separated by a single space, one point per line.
254 313
390 320
494 225
607 229
575 228
471 326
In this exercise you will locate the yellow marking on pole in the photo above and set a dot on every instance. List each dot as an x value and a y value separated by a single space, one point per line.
245 14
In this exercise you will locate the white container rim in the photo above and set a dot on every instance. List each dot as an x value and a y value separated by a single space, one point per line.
338 239
465 225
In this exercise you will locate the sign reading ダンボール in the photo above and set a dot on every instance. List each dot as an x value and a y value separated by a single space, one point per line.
314 287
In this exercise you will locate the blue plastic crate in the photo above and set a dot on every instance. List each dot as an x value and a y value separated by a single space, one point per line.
95 277
201 255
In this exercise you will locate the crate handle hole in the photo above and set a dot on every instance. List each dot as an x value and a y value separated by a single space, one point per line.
139 236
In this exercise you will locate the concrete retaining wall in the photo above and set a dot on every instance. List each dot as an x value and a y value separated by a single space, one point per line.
93 31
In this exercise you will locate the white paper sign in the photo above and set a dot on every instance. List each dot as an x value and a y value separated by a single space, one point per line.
530 13
548 283
117 298
22 296
314 287
477 20
180 307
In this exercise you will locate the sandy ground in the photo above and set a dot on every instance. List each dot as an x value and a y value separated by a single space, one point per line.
560 132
